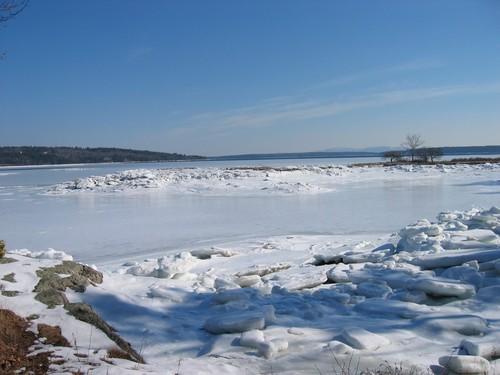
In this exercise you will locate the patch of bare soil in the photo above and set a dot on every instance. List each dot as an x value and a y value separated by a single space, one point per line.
15 343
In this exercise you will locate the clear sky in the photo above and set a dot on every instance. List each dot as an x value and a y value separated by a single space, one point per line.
215 77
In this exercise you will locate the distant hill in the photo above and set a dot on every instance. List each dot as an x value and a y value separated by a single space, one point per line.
358 153
471 150
377 149
31 155
299 155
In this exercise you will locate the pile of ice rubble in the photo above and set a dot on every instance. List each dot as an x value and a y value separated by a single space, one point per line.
198 180
266 180
432 282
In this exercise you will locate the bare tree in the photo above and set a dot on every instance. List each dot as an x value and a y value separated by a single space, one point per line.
412 144
11 8
393 155
427 154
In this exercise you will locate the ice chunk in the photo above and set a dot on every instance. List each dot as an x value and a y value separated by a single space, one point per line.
464 273
396 279
456 258
265 269
338 274
465 364
146 268
235 322
221 283
441 287
246 281
476 238
490 294
362 257
468 325
252 339
295 331
374 289
331 255
360 338
234 295
178 263
171 294
421 226
214 251
239 321
46 254
338 348
485 220
447 216
332 295
298 278
455 225
488 350
414 296
390 308
494 211
269 349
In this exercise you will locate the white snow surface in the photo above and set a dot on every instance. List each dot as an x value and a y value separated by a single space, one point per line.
425 293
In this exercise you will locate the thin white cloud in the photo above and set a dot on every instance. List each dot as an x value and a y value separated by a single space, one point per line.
292 109
381 71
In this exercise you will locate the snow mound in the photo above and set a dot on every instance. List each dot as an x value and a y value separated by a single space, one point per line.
46 254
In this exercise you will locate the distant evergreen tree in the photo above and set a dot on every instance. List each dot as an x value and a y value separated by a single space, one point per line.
31 155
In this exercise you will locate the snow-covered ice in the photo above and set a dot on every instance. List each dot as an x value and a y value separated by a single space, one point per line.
423 293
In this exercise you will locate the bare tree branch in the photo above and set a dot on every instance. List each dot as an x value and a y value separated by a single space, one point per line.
412 144
11 8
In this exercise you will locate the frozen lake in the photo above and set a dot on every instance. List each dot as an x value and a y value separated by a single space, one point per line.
107 228
208 268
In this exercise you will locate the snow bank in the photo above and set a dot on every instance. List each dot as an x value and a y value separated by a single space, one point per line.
46 254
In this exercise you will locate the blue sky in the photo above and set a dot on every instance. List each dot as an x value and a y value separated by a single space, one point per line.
229 77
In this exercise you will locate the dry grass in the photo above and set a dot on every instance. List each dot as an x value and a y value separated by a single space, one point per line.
15 342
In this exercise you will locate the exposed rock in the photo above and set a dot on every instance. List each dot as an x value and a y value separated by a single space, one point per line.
51 287
85 313
51 298
73 268
50 291
7 260
9 293
10 278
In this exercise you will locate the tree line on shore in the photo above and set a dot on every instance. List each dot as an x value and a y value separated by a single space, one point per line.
414 151
32 155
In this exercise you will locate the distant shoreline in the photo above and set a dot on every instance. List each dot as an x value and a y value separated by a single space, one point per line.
474 160
29 156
